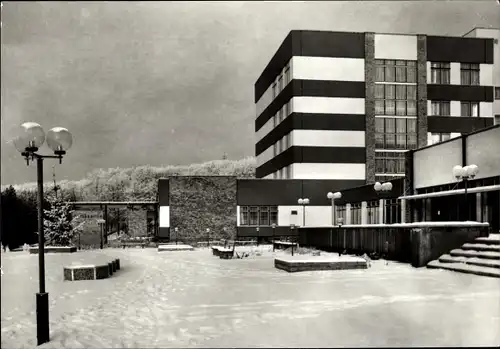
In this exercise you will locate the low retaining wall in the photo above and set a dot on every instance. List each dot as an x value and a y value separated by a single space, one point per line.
54 249
314 264
415 243
91 272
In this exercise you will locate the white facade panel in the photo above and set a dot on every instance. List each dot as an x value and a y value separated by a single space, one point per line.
328 138
486 74
455 73
326 105
390 46
483 151
285 215
265 129
328 68
264 101
328 171
486 109
455 109
318 216
265 156
238 219
164 217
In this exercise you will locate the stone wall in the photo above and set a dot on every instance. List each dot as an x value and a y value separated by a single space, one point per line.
198 203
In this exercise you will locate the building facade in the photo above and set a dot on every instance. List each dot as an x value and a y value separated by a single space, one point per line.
347 106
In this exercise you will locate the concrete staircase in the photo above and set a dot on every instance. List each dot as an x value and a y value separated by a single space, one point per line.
481 257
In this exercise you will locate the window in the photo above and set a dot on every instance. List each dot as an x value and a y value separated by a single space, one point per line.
356 213
264 215
275 92
497 120
258 215
244 215
280 113
469 108
395 71
275 148
398 100
289 171
280 83
440 108
440 73
275 120
439 137
469 74
287 141
287 109
392 211
287 75
280 147
254 215
497 93
395 133
372 210
340 214
390 162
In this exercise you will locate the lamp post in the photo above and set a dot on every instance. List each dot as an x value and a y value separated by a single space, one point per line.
333 196
30 138
303 203
176 234
380 188
208 237
465 174
101 226
257 229
274 233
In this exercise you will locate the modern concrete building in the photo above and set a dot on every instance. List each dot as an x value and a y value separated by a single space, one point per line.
347 106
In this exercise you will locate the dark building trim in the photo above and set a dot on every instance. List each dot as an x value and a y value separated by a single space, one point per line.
459 49
309 43
445 124
163 192
288 48
326 155
464 150
460 93
286 192
244 231
311 88
370 106
422 122
367 193
409 185
163 232
306 121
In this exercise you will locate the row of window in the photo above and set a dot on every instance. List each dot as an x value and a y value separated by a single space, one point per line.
283 144
398 108
395 71
281 81
285 110
441 71
439 137
258 215
392 212
386 177
400 92
283 173
395 133
442 108
390 162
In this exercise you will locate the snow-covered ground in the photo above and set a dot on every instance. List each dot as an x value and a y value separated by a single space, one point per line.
194 299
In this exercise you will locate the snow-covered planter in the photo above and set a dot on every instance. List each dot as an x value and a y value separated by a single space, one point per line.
53 249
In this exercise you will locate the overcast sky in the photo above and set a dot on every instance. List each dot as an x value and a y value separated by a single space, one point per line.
169 82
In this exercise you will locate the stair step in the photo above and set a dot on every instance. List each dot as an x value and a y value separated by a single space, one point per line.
493 239
478 254
465 268
481 247
481 262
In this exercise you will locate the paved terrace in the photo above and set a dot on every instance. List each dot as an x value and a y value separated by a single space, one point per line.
193 299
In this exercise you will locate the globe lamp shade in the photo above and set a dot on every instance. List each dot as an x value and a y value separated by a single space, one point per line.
30 137
59 140
377 186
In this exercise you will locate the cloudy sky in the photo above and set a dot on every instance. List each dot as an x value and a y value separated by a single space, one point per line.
169 82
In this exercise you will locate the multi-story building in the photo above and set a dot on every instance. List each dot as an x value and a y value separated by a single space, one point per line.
492 33
347 106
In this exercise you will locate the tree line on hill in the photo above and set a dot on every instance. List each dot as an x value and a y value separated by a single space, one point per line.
19 202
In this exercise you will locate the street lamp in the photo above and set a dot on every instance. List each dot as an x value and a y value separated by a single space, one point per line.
274 233
333 196
208 237
101 226
465 174
303 202
380 188
30 138
176 234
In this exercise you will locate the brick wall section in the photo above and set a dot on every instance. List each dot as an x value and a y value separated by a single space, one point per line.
137 222
422 90
370 106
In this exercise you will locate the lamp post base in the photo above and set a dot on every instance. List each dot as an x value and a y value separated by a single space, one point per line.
42 318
